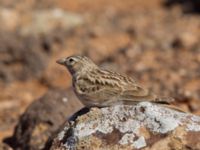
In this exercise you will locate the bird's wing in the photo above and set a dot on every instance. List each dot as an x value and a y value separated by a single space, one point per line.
97 90
132 92
108 87
129 89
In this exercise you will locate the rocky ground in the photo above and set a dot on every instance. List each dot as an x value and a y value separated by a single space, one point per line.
143 126
156 41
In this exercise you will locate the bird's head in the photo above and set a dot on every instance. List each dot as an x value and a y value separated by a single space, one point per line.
77 63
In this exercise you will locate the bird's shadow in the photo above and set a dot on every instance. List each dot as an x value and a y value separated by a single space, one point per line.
81 112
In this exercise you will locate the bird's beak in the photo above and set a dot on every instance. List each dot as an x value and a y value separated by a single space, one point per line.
61 61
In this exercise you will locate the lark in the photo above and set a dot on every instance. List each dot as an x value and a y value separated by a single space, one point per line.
100 88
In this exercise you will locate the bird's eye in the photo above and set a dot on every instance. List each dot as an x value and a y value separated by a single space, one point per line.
71 60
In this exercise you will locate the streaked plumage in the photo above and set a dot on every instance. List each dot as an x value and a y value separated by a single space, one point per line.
97 87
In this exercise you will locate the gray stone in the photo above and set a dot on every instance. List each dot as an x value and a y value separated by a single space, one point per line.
145 125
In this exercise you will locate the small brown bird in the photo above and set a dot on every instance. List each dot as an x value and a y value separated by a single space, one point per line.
100 88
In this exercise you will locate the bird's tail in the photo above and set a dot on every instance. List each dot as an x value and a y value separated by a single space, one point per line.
164 100
172 107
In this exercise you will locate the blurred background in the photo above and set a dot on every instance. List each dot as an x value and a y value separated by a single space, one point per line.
157 42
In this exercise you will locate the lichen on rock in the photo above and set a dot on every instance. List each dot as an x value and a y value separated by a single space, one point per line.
144 125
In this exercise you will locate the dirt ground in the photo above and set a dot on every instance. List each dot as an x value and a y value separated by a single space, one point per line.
157 42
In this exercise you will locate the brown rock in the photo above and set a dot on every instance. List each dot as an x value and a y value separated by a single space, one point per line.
42 118
143 126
